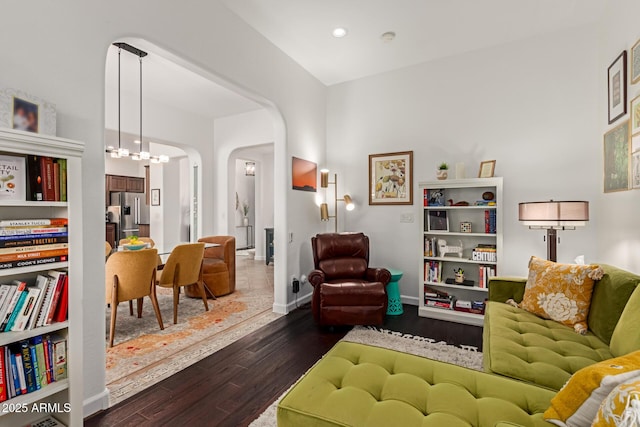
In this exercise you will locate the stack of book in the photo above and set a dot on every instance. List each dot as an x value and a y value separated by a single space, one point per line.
46 178
27 242
476 307
433 271
30 365
430 246
25 307
490 221
485 253
485 272
438 299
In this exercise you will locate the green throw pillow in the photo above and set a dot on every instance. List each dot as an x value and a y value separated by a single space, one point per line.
626 335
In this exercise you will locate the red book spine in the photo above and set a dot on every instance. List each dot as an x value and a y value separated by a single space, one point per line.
46 170
61 312
486 222
426 197
54 301
3 377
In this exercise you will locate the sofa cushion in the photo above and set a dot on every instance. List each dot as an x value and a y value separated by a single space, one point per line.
577 403
610 295
560 292
626 335
521 345
616 402
360 385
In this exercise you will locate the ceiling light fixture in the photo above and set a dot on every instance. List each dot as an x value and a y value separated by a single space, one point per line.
339 32
388 36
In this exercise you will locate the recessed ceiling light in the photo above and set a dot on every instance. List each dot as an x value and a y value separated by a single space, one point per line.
388 36
339 32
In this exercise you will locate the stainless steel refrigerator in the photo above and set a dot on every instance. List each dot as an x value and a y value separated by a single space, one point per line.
128 210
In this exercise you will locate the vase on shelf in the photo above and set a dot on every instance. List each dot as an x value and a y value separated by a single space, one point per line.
245 221
442 174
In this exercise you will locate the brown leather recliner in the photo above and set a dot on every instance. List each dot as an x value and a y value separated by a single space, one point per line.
218 267
345 290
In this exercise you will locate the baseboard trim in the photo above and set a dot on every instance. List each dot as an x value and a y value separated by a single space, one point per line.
95 403
406 299
301 300
260 257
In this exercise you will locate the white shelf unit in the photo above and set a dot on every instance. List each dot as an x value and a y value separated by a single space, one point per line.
69 391
471 191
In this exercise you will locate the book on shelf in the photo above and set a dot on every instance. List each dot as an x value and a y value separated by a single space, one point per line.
26 311
33 240
433 271
485 253
485 272
60 279
21 256
13 178
33 262
40 357
490 221
3 376
430 246
59 357
6 315
57 222
29 375
22 231
19 366
33 248
46 178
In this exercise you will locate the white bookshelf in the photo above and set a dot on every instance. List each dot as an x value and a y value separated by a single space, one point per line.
471 191
69 391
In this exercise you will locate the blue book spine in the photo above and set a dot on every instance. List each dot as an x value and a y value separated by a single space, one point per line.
34 236
35 366
14 374
16 311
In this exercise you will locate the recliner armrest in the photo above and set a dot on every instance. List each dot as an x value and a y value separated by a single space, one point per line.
503 288
379 275
316 277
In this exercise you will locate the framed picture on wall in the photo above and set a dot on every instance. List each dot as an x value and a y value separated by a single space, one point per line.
635 115
487 168
391 178
155 197
617 94
22 111
635 63
635 161
616 158
304 175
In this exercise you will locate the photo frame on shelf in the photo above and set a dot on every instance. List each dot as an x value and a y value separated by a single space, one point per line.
487 168
304 175
391 178
438 221
155 197
635 63
616 158
22 111
617 87
634 115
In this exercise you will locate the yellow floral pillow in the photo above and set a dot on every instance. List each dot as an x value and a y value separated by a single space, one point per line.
560 292
620 406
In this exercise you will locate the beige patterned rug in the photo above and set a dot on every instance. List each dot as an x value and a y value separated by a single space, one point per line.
466 356
143 355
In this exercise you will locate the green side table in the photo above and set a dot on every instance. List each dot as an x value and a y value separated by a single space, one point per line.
394 308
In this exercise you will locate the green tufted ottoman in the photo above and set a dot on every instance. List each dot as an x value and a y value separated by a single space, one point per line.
360 385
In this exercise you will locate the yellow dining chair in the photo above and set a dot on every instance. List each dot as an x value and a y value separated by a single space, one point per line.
130 275
107 249
183 268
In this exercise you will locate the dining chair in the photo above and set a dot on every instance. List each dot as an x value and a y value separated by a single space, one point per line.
130 275
183 268
107 249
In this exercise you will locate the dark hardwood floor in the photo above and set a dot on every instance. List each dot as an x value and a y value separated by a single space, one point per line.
235 385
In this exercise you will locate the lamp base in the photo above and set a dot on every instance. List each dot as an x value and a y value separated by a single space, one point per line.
552 239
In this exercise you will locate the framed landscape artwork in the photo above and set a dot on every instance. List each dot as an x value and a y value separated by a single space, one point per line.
617 94
635 62
304 175
635 161
616 158
391 178
635 115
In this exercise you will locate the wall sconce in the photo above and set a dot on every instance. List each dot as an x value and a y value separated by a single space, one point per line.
250 169
553 216
324 208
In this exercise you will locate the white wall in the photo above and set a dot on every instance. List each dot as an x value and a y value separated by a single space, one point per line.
246 190
530 105
619 238
62 59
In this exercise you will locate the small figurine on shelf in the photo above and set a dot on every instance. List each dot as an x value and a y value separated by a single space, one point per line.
459 275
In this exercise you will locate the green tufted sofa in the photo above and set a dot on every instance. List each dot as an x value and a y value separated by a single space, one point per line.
526 358
520 345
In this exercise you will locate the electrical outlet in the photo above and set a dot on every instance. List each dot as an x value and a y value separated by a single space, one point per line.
406 217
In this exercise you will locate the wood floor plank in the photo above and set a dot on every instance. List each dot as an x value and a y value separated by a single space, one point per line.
235 385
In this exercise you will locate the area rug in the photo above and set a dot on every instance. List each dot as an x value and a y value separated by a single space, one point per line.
143 355
467 356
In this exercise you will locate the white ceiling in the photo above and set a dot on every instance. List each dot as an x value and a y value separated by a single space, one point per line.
171 84
426 29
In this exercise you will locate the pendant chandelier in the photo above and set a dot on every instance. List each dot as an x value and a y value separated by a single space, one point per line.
121 151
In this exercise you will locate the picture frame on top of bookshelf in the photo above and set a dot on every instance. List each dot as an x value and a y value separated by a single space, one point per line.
41 279
457 260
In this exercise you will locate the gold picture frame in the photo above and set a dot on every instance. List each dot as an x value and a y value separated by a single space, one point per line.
635 63
391 178
487 168
634 115
617 152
